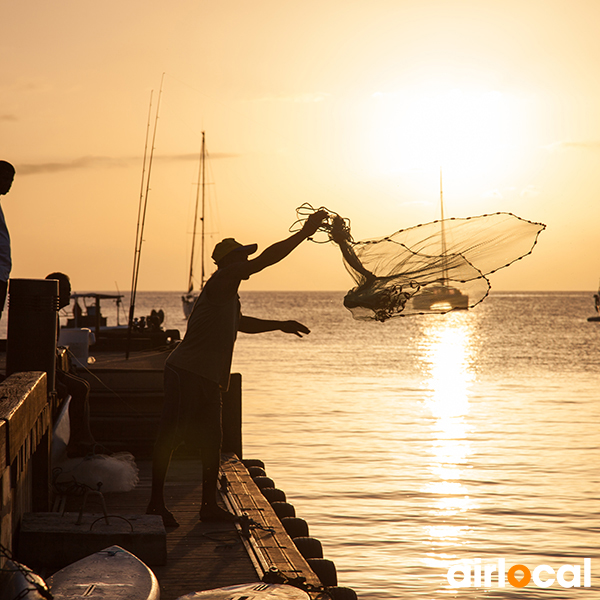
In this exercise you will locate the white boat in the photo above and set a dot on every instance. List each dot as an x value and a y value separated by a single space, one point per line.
250 591
441 296
190 297
111 573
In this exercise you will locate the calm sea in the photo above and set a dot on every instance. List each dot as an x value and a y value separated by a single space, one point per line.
425 442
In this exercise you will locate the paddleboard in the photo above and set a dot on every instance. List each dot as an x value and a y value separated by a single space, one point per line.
111 573
19 581
250 591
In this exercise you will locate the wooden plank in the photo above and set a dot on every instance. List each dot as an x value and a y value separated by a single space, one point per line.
52 539
141 372
128 380
22 399
232 416
271 540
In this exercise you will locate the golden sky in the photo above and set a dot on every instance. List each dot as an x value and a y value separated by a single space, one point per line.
353 105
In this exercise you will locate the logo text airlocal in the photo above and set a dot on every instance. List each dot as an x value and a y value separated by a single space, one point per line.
497 575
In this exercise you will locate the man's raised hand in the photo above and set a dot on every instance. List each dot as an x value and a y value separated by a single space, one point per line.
313 222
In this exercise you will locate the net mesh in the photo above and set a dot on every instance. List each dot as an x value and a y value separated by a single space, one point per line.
432 268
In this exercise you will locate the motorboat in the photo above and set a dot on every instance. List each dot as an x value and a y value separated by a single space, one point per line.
145 332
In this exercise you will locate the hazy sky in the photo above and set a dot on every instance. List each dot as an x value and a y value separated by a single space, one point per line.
353 105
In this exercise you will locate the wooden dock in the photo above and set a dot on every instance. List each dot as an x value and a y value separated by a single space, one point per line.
125 403
203 556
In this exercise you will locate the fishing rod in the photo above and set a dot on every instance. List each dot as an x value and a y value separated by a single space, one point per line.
143 204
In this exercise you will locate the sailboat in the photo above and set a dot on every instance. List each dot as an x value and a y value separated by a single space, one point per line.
596 317
189 298
440 296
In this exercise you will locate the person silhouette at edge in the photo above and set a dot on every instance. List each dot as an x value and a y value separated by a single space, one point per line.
7 176
198 369
81 441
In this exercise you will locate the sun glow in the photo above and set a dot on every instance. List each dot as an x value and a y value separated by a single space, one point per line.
466 132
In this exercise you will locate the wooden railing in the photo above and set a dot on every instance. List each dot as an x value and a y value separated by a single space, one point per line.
25 438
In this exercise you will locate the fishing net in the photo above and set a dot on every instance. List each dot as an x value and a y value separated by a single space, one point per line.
432 268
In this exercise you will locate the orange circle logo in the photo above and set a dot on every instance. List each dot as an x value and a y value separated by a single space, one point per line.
519 582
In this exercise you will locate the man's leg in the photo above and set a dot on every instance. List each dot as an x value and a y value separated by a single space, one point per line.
164 446
210 453
161 459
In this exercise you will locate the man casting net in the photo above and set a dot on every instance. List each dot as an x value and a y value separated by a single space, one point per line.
432 268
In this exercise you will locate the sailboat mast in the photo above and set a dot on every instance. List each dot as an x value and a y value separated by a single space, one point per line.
202 274
198 192
443 232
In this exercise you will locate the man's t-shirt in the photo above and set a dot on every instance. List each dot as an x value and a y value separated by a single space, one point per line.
207 347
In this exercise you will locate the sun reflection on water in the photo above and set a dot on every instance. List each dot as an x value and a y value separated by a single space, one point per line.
448 357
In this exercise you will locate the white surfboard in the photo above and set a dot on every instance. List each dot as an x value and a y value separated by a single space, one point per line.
250 591
111 573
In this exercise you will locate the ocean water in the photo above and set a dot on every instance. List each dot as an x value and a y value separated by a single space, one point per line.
425 442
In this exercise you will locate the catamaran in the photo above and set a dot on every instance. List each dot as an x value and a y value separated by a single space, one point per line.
441 296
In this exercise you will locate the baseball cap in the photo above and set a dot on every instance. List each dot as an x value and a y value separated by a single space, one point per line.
224 247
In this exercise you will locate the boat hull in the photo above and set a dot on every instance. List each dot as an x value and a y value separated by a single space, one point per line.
251 591
111 573
440 298
188 302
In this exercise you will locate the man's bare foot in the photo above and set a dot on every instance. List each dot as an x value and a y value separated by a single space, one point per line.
216 513
167 516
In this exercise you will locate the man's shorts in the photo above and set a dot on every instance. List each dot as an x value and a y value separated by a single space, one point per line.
192 409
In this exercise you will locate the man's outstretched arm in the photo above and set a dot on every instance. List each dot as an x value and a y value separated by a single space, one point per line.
254 325
228 277
279 250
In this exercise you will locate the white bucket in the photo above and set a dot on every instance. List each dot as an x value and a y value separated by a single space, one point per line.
78 341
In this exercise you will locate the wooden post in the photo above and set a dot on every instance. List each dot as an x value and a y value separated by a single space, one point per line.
32 324
232 417
98 318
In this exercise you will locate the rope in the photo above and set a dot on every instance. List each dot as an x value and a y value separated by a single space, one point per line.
333 225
